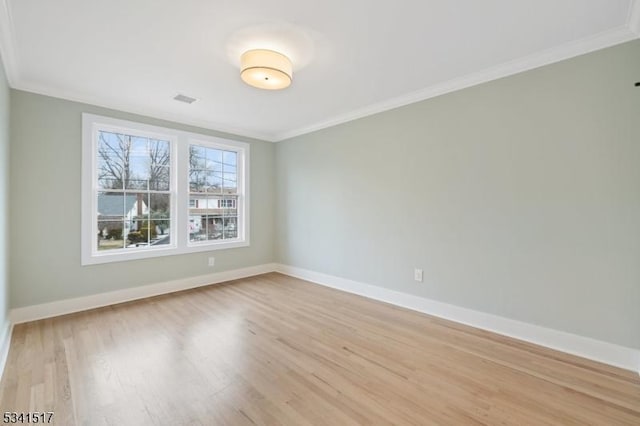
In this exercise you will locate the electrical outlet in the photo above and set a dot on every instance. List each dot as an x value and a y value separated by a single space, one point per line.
212 261
417 275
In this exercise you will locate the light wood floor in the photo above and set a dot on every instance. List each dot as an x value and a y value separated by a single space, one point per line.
276 350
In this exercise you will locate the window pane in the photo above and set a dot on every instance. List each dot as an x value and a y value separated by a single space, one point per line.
112 149
197 180
214 226
229 175
159 165
139 146
197 157
162 239
131 162
199 207
138 172
136 184
204 227
159 152
214 160
107 182
229 183
159 204
230 169
110 234
137 163
196 231
159 178
212 217
213 181
136 216
110 205
160 213
230 229
230 159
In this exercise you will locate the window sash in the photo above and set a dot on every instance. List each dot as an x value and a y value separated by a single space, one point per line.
238 194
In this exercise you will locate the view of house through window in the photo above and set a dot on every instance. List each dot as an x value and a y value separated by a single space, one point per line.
134 197
152 191
213 193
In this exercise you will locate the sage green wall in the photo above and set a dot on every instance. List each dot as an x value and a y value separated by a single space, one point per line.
519 197
45 209
4 200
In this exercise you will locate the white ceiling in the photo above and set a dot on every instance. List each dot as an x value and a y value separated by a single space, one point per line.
351 57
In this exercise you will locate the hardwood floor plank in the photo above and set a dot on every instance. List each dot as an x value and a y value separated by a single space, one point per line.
275 350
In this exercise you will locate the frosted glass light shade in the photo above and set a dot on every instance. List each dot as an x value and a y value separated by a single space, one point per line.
265 69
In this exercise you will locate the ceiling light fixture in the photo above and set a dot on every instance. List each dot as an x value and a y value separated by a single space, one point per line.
266 69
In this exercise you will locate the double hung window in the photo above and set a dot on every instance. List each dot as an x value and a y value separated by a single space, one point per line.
149 191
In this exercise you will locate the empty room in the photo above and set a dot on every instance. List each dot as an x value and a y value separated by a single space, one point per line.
420 212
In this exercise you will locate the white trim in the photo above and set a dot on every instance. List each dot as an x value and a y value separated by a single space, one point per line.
243 190
5 342
7 43
556 54
180 141
608 353
120 106
629 31
67 306
633 21
91 125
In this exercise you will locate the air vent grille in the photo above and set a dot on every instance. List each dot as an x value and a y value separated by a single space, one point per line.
184 98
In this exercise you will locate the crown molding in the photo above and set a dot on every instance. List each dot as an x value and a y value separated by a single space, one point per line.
7 43
145 111
566 51
633 21
627 32
10 62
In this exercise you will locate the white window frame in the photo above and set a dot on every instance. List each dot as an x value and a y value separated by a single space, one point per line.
242 198
179 187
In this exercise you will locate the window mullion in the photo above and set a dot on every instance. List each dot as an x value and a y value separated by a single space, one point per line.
181 191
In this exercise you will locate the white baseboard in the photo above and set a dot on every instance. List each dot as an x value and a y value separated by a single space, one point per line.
607 353
61 307
5 341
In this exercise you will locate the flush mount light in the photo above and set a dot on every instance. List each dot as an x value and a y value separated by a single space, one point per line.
265 69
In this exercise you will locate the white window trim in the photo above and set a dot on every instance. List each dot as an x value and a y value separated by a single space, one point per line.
179 236
242 200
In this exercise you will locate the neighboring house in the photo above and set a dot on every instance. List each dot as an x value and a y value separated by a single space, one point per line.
212 217
116 211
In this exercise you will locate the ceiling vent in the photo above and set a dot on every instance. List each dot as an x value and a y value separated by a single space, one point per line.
184 98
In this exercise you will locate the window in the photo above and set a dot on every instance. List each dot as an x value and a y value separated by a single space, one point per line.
149 191
213 193
133 194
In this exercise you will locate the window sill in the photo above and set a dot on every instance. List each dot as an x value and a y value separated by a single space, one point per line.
148 253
